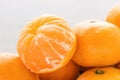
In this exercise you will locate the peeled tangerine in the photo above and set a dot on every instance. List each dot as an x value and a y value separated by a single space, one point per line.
12 68
46 44
98 44
69 72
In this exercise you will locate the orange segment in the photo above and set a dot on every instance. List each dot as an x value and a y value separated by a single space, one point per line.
47 44
98 44
12 68
105 73
69 72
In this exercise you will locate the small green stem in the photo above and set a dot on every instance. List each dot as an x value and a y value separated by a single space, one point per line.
99 72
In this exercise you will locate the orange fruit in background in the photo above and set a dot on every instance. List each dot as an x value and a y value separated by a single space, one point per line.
69 72
12 68
46 44
106 73
113 15
98 44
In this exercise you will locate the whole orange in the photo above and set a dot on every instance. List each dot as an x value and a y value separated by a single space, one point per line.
98 43
106 73
69 72
113 15
12 68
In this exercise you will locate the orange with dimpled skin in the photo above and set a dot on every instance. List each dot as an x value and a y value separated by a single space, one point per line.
104 73
69 72
12 68
113 15
98 44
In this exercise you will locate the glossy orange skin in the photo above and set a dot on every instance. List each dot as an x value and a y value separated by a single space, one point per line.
12 68
98 44
113 15
69 72
108 73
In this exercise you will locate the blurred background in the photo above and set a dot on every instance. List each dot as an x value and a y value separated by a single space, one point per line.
14 14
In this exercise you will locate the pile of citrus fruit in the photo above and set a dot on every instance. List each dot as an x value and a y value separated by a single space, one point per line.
49 49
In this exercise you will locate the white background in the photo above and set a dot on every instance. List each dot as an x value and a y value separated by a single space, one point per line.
14 14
